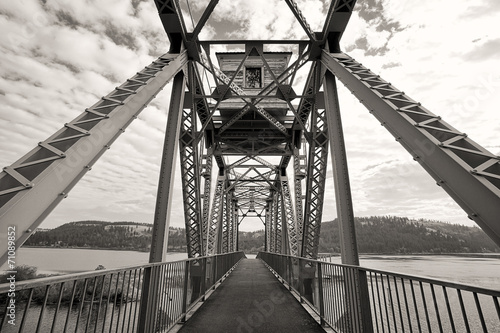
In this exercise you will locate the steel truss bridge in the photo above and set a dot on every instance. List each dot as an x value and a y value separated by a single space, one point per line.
255 126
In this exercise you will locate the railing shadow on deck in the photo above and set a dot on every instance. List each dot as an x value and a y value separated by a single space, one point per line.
110 300
397 302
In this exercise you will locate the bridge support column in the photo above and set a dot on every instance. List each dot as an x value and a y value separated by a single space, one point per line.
357 295
159 240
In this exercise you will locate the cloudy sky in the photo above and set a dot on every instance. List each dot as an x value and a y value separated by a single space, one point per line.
60 56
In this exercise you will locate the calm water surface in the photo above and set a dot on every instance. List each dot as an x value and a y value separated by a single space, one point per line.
49 260
478 271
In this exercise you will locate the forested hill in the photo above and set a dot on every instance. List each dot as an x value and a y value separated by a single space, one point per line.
388 234
106 235
376 234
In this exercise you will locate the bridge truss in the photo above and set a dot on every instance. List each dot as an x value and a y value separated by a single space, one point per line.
253 147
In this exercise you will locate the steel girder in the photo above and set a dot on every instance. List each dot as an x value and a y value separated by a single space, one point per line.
207 176
289 215
190 173
159 239
35 184
226 222
236 225
299 175
469 173
277 234
343 198
216 216
268 225
316 176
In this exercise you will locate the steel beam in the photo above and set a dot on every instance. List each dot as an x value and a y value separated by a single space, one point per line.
216 215
159 240
469 173
190 173
234 246
35 184
268 225
278 226
207 176
289 215
301 19
316 176
343 198
204 18
358 295
161 223
299 175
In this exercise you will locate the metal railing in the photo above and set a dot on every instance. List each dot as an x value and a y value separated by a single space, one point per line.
397 302
111 300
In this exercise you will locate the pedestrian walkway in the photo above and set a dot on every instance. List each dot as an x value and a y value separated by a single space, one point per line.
251 300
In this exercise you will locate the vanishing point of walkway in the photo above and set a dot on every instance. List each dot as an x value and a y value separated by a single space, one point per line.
251 300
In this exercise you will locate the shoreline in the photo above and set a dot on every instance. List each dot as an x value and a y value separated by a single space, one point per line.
460 254
92 248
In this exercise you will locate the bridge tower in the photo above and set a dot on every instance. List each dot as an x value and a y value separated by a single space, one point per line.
271 142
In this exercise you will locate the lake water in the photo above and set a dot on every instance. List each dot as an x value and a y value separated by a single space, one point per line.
54 260
479 271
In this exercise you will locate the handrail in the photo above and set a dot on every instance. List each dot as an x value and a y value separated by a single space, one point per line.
111 300
26 284
397 302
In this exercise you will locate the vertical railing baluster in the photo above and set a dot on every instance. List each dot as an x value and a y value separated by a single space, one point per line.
100 304
407 308
385 304
497 306
107 302
42 311
436 307
127 305
89 317
374 303
70 305
5 311
121 303
56 312
185 291
464 312
321 299
137 289
82 300
26 309
480 312
399 304
380 304
448 308
415 306
391 301
114 303
425 306
131 301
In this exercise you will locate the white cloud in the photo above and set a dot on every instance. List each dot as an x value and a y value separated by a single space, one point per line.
60 57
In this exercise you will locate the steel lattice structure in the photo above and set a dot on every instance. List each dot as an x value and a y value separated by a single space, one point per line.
252 121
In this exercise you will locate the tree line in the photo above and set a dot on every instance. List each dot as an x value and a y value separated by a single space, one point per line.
375 234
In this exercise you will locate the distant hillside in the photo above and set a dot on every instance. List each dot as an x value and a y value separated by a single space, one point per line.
106 235
389 234
376 234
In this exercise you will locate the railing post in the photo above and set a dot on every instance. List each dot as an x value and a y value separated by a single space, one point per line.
320 294
148 298
196 270
204 279
185 290
306 276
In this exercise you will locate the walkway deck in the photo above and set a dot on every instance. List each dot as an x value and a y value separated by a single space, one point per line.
251 300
